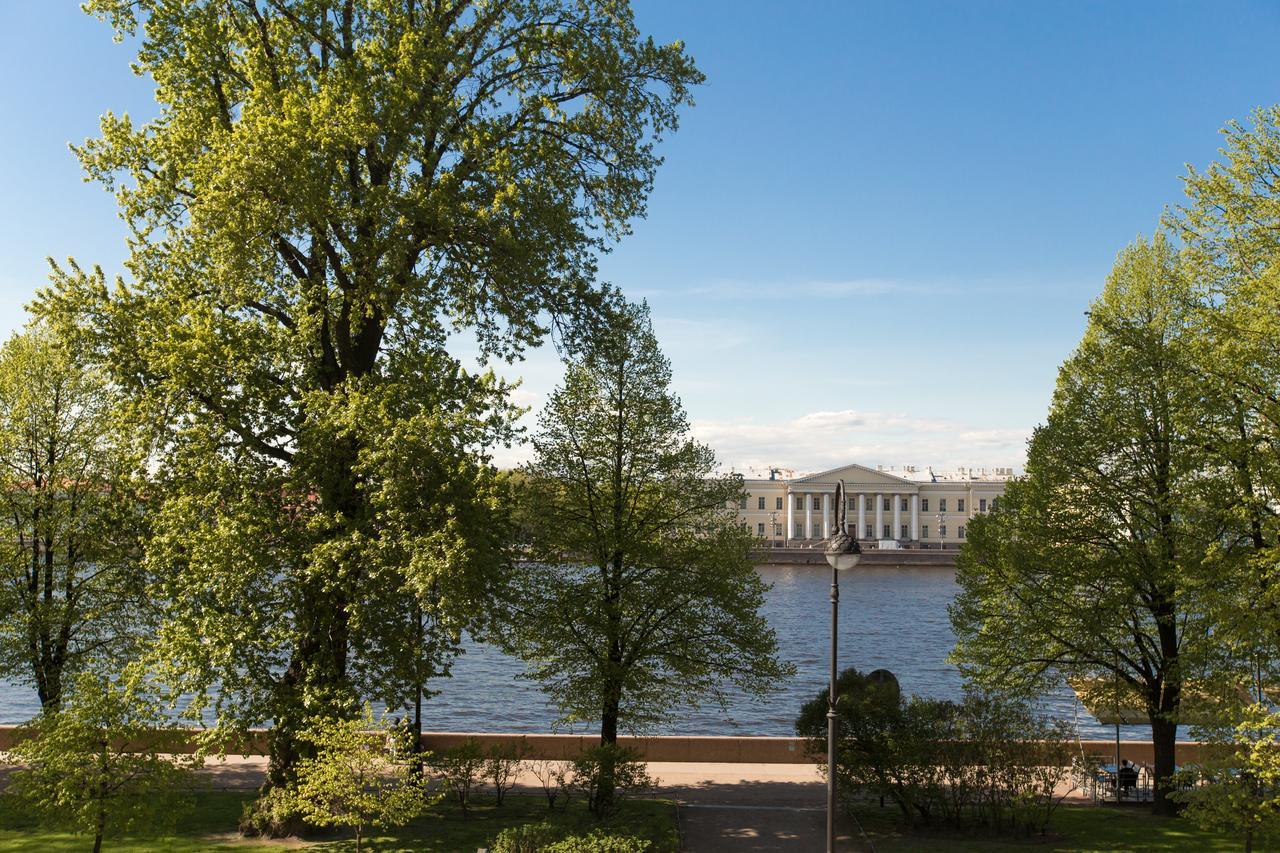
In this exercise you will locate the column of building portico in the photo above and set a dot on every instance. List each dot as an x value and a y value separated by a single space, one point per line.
862 517
791 527
826 516
915 518
808 517
897 516
879 531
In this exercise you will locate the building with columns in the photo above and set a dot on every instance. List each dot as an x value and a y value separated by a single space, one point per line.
893 508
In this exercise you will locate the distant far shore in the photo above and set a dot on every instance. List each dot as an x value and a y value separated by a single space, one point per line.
879 558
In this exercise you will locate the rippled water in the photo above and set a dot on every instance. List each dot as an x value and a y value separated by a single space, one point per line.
891 618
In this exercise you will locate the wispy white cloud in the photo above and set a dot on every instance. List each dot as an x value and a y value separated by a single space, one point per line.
825 439
757 290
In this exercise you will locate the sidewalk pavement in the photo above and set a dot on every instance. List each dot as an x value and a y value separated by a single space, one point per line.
724 808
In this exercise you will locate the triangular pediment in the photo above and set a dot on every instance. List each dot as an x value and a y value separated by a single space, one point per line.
856 474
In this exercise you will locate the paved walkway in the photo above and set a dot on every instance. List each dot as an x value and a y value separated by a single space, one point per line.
724 808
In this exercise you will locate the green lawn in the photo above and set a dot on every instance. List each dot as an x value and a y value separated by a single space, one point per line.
442 830
1082 828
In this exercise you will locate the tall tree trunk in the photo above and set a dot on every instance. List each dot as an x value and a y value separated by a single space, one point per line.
1164 737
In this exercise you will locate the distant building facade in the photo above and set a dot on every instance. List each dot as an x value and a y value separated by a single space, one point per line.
902 508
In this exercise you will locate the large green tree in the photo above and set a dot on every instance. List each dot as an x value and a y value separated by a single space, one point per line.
1092 567
638 595
330 190
1230 227
71 521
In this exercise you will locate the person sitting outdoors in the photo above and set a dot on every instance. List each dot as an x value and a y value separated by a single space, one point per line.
1127 777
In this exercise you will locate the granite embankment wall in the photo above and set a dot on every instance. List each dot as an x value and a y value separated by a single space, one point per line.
871 558
696 750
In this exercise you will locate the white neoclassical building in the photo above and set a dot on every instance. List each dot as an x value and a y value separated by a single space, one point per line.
905 507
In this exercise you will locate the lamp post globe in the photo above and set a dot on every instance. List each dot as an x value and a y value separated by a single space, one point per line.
842 553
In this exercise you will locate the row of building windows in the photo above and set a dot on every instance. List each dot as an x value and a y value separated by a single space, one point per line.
887 504
904 532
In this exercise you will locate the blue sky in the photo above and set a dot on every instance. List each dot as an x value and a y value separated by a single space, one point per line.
875 235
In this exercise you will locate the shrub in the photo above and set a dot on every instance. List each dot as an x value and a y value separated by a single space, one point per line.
608 773
351 782
503 765
461 769
1237 789
598 841
546 838
986 761
526 838
552 775
95 766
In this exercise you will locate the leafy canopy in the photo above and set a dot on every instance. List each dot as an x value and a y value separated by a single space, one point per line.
330 191
639 595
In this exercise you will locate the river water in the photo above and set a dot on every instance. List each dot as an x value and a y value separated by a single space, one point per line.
891 618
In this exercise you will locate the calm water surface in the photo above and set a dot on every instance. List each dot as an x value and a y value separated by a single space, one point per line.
894 619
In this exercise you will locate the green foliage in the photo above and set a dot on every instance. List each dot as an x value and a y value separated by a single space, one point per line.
599 841
983 762
526 838
71 517
502 767
328 192
553 776
639 595
607 774
550 838
94 765
461 769
351 782
1094 565
1229 226
1237 788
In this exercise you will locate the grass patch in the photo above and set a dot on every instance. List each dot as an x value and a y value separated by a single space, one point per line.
1080 828
443 829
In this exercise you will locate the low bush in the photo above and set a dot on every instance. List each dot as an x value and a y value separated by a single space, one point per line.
983 762
527 838
503 765
546 838
461 769
553 776
607 774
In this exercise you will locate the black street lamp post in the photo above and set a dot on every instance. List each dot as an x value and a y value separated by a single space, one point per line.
842 553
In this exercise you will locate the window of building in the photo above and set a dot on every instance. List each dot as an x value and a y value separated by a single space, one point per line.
888 531
870 530
760 503
959 504
799 501
960 531
904 506
777 528
851 503
924 504
903 535
817 503
993 504
942 504
884 504
742 503
799 529
924 531
982 504
942 531
777 503
760 529
746 528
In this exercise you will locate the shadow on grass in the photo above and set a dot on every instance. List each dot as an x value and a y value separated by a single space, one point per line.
211 826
